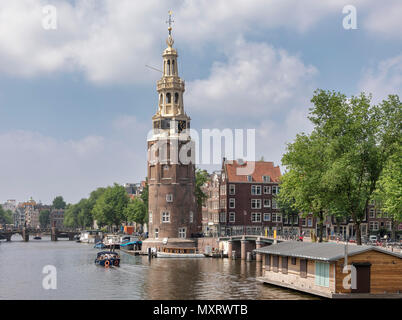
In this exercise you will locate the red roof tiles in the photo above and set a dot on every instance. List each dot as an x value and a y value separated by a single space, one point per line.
262 168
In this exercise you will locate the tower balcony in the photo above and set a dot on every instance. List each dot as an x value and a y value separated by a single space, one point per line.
170 83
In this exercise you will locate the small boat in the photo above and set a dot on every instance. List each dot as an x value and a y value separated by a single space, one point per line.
179 253
99 245
108 259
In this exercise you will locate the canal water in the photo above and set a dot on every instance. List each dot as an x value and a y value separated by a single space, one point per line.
21 275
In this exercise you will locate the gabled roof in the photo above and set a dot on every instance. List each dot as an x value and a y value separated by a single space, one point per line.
327 251
261 168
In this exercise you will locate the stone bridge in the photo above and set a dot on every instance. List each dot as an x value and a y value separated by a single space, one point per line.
239 246
25 232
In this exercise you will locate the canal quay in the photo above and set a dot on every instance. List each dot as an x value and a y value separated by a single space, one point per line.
138 278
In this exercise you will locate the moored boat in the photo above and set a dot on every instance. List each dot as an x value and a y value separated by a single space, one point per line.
108 259
179 253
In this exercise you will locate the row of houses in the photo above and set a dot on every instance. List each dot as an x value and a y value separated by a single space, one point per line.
26 214
239 203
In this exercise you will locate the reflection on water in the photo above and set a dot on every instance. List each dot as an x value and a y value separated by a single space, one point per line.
137 278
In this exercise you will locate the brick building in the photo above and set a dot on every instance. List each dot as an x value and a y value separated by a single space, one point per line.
247 202
210 208
57 218
171 181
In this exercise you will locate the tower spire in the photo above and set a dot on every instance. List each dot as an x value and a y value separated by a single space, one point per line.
170 40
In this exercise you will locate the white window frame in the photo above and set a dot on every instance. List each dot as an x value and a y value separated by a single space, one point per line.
182 231
256 217
191 217
232 203
322 274
266 179
165 216
274 204
169 197
267 189
257 203
309 222
372 213
232 189
232 217
256 190
156 233
269 203
249 178
267 216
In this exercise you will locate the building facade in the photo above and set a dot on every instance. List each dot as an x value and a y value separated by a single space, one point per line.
247 202
210 207
171 169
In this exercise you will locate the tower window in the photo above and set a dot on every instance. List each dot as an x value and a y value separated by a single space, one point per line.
176 98
168 97
182 232
169 197
168 65
165 217
173 71
161 99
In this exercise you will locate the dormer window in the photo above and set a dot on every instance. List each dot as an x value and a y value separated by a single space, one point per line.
249 178
266 179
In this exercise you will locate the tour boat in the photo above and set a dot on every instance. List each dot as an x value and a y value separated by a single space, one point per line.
108 259
179 253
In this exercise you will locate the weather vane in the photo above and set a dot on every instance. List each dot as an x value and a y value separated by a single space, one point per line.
170 22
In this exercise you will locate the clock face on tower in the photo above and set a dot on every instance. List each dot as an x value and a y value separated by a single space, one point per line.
181 125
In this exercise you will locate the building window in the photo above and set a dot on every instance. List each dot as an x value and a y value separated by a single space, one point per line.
165 217
191 216
255 217
168 98
266 179
223 217
371 213
169 197
267 217
232 203
232 217
176 98
303 268
309 222
150 216
285 219
388 225
274 205
156 233
322 274
232 189
276 217
182 232
223 190
256 190
373 226
296 220
293 261
249 178
267 189
275 189
255 203
267 203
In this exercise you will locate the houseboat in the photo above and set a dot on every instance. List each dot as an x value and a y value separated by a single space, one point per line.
179 253
112 241
108 259
333 270
90 236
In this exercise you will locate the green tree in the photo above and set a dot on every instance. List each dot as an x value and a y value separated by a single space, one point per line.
144 198
201 176
136 210
110 207
44 218
343 158
286 204
303 187
59 203
6 217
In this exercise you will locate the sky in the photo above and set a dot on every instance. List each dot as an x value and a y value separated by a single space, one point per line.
76 97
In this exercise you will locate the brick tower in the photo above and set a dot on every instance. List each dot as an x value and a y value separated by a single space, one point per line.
171 169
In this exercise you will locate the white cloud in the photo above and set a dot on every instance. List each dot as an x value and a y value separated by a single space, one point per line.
384 79
43 167
256 80
385 19
111 41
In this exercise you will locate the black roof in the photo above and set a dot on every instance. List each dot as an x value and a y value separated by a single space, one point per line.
327 251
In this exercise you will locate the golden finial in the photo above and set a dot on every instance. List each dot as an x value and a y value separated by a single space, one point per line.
170 22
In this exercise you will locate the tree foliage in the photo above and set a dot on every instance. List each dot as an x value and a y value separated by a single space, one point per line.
44 218
6 217
336 168
59 203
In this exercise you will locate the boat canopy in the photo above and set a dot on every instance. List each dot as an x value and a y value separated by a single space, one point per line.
107 252
132 242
